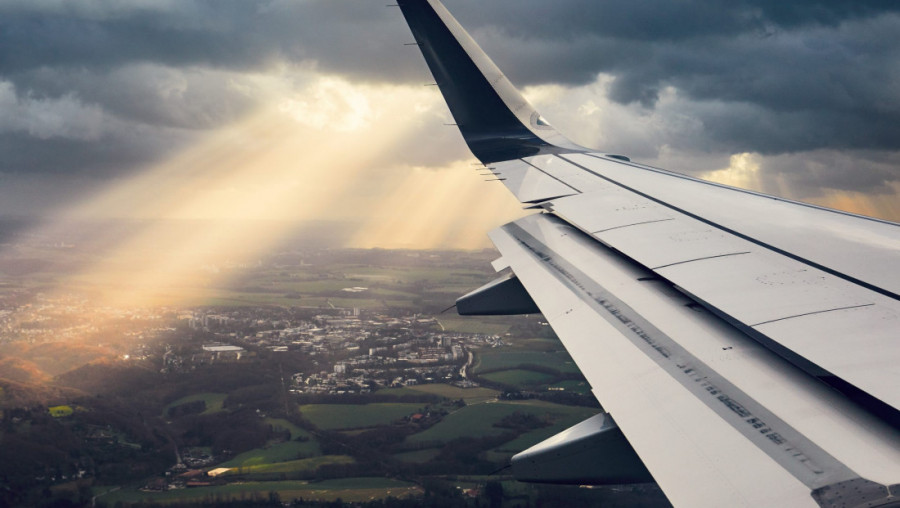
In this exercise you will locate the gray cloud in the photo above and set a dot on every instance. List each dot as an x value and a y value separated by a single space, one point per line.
101 87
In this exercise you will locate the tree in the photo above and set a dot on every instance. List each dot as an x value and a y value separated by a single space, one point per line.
493 491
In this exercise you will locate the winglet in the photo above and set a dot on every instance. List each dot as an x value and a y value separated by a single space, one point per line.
495 119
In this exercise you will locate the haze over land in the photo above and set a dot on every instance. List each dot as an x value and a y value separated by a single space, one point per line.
310 372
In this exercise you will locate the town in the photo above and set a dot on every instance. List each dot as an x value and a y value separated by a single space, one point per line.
351 351
320 375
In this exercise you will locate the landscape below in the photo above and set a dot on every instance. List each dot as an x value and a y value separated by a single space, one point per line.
312 377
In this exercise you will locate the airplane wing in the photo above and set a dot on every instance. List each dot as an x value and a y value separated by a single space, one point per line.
745 347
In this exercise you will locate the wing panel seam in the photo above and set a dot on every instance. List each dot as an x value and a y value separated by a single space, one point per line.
795 257
630 225
814 313
689 178
704 258
553 177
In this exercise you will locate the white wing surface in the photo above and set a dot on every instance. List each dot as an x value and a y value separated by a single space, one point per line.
746 345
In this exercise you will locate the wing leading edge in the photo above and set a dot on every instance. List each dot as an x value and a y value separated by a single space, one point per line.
745 344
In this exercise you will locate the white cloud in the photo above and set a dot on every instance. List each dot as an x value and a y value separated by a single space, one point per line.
331 103
63 117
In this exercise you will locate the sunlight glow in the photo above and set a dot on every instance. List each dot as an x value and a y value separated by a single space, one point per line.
884 204
743 171
314 154
439 209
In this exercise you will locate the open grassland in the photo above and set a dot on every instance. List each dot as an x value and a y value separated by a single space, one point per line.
281 423
470 395
318 286
291 466
465 324
419 456
331 286
500 359
213 402
61 411
352 416
531 438
348 489
518 377
280 452
446 278
573 386
478 420
539 344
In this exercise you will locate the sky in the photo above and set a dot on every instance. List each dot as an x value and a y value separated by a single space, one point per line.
299 110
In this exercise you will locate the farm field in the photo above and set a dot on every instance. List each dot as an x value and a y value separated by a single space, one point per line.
464 324
280 423
291 466
494 360
518 377
348 489
280 452
573 386
480 419
418 456
470 395
213 402
349 416
534 437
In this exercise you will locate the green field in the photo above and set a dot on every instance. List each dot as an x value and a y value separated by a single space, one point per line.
281 452
534 437
290 466
518 377
284 424
61 411
445 278
418 456
539 344
352 416
319 286
348 489
464 324
213 402
470 395
479 419
573 386
499 359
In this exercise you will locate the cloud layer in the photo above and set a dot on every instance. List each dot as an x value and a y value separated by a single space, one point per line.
102 88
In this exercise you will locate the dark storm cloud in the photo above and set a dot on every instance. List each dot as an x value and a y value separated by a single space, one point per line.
766 76
832 61
114 153
231 34
155 66
659 19
188 97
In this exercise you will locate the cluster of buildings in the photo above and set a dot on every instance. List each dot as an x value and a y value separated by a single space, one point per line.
68 317
351 351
